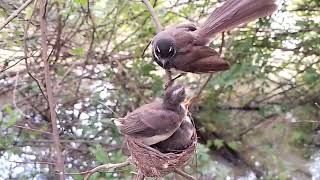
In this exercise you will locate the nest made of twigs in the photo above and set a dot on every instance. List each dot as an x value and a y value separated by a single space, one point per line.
153 163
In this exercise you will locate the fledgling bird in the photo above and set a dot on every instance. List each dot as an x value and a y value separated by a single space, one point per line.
183 47
179 141
157 121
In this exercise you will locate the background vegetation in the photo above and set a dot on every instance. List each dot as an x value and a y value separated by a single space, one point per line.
258 119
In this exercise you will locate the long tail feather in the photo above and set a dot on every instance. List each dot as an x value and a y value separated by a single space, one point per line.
234 13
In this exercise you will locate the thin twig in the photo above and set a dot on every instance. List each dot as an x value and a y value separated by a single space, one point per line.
106 167
25 50
145 49
17 62
36 162
85 172
153 15
52 102
15 14
31 129
91 45
185 175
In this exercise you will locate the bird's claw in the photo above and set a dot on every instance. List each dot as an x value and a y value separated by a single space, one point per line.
168 84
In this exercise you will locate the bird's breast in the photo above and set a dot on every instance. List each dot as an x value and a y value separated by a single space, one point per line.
156 138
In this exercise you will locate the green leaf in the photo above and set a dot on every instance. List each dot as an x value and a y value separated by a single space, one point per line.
233 145
100 154
2 142
218 143
12 121
78 51
8 109
147 68
13 116
280 127
28 11
297 136
81 2
311 76
77 177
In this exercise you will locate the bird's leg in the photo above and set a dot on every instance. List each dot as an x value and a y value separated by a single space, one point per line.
168 79
179 76
187 103
171 81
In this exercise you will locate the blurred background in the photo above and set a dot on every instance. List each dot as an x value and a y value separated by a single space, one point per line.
260 119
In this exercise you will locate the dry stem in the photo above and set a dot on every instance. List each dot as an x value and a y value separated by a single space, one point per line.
51 100
106 167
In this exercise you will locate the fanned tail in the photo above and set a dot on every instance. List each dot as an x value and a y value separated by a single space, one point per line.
234 13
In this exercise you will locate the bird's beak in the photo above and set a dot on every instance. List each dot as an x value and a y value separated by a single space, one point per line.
187 102
164 62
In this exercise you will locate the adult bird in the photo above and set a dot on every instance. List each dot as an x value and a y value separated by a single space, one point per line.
184 47
157 121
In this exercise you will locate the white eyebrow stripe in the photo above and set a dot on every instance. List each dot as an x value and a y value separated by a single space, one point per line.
154 53
158 49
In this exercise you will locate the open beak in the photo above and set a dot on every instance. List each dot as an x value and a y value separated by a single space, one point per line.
187 103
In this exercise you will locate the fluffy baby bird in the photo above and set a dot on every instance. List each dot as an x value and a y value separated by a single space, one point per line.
179 141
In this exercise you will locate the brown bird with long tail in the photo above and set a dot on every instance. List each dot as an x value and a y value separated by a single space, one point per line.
183 47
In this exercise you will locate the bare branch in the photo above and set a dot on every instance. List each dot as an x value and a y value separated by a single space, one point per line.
153 15
15 14
52 102
17 62
185 175
106 167
36 162
25 50
30 129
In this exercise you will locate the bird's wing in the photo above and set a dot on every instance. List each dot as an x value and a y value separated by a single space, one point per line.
201 59
149 122
189 26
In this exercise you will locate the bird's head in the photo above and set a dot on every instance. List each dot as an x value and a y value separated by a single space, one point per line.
164 49
175 95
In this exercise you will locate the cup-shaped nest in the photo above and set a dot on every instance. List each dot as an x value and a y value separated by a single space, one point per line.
152 163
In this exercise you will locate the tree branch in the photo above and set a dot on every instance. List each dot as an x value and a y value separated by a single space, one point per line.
25 51
185 175
106 167
31 129
15 14
153 15
52 102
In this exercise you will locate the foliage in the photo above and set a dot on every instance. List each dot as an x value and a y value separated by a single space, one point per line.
261 112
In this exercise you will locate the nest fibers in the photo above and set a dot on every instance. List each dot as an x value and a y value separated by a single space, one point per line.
153 163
